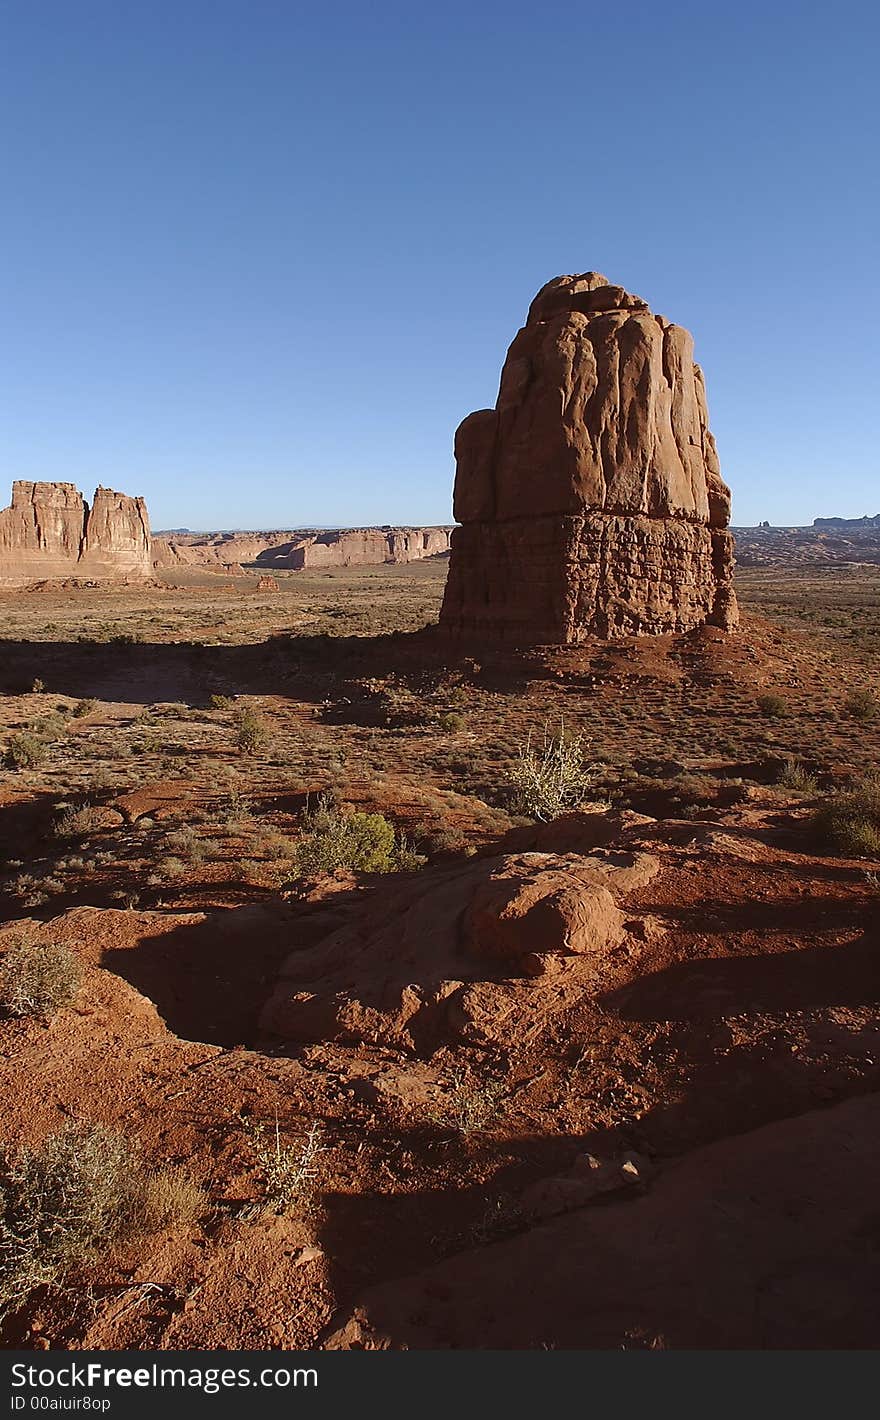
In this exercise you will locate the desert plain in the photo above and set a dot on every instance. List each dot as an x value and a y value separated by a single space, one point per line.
370 1125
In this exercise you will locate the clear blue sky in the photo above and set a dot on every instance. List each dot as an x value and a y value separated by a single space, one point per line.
261 257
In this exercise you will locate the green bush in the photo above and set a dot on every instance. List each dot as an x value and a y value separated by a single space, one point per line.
771 704
25 750
83 708
252 733
862 704
359 842
79 1193
38 978
850 822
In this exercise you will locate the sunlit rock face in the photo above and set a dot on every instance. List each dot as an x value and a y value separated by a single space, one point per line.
49 532
590 498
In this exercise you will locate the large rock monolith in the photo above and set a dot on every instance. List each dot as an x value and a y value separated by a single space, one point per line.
590 498
50 533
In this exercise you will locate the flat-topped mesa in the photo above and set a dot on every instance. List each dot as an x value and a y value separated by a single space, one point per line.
49 533
590 497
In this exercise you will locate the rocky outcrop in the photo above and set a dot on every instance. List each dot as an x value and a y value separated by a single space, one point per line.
338 547
590 497
475 951
364 547
49 532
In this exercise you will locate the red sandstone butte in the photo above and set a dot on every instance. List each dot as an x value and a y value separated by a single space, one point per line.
590 498
50 533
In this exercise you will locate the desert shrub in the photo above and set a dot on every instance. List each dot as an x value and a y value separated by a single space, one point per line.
472 1106
38 686
83 708
850 821
221 702
171 867
862 704
38 978
794 776
168 1198
451 723
552 776
25 750
771 704
82 1191
289 1171
252 733
74 822
360 842
187 842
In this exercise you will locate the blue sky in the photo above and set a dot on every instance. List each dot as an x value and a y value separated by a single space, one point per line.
261 257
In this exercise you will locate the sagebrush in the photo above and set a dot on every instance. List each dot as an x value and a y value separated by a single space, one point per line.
78 1194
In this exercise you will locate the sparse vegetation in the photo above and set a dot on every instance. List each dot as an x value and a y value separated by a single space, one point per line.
289 1171
850 822
862 704
771 704
252 732
360 842
81 1192
73 822
795 777
26 750
472 1104
38 978
82 708
551 776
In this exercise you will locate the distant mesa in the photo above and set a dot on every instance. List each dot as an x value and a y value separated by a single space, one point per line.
590 498
848 523
296 551
50 533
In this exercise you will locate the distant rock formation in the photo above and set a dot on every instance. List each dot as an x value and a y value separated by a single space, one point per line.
363 547
590 497
50 533
830 541
845 524
337 547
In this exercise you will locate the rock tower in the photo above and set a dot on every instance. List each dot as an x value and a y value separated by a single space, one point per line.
590 498
49 532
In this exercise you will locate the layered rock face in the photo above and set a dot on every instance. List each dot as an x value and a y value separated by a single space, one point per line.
363 547
337 547
49 532
590 497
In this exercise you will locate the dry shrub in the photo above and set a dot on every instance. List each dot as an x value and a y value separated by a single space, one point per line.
81 1192
794 776
38 978
290 1171
552 776
862 704
77 822
26 750
850 822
